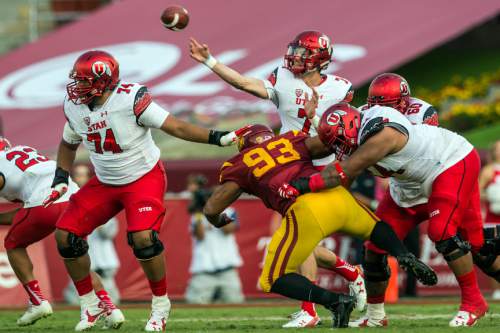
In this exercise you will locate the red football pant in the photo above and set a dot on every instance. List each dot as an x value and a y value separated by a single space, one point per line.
95 203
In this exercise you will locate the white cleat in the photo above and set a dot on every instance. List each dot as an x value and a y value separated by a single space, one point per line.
90 315
113 319
160 309
366 321
465 319
34 313
357 289
302 319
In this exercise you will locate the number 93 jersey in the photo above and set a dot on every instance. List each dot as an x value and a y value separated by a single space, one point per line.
28 176
260 170
117 134
288 94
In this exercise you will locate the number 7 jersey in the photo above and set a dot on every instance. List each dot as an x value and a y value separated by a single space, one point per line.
117 134
260 170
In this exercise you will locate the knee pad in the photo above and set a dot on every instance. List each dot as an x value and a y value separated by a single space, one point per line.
485 263
376 268
453 248
491 241
148 252
77 247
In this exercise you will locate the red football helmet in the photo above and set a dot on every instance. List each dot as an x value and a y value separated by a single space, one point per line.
93 73
254 135
389 89
309 51
338 129
4 144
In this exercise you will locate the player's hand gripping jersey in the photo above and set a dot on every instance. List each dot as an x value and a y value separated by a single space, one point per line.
117 134
28 176
288 94
429 151
261 169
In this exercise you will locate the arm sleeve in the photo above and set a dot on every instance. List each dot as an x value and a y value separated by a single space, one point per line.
153 116
269 84
70 136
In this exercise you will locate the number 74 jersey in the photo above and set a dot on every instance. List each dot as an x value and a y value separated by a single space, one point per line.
117 134
28 176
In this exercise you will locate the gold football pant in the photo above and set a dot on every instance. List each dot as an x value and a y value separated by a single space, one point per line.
309 220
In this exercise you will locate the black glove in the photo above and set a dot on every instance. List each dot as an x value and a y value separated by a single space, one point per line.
215 136
223 220
301 184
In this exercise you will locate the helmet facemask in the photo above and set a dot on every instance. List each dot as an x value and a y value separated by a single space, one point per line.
84 89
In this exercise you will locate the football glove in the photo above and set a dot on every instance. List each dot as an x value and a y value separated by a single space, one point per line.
225 138
59 187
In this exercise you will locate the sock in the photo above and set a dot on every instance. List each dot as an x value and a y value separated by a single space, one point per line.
375 311
471 295
346 270
309 306
376 299
159 288
34 292
84 286
384 237
104 297
298 287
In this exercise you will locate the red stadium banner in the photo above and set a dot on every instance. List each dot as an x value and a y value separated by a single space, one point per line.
252 238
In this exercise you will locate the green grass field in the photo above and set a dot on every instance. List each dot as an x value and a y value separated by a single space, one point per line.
426 318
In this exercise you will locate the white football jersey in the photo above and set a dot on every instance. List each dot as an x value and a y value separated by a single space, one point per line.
117 134
430 150
28 176
288 94
418 112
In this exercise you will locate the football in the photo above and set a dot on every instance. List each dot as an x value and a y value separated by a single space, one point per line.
175 18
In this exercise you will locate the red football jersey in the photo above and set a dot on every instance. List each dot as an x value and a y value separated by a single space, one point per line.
263 168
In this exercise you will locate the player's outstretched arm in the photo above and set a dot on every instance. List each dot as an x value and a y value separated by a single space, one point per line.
222 197
201 53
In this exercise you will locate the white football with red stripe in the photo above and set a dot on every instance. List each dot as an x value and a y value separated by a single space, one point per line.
175 18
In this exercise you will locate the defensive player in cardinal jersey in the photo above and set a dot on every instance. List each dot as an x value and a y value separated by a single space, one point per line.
263 164
445 165
112 119
25 177
289 88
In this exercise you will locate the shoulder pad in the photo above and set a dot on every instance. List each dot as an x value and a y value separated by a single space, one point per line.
372 127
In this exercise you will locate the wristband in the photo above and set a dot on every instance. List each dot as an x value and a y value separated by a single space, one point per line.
316 182
340 171
61 177
210 62
315 121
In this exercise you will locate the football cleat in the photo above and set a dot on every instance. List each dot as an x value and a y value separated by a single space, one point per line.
341 310
90 314
366 321
302 319
421 271
113 319
465 319
160 310
357 289
34 313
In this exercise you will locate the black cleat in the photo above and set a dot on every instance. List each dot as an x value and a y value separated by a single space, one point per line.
341 310
422 272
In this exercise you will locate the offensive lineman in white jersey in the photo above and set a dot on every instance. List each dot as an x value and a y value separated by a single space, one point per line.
289 88
26 177
113 119
445 165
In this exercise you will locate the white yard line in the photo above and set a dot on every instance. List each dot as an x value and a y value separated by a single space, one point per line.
283 318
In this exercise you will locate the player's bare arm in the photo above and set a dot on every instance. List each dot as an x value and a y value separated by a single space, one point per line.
189 132
222 197
316 148
66 155
6 218
201 53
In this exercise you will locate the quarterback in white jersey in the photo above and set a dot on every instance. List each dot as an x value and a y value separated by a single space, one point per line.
112 119
290 88
26 177
445 165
